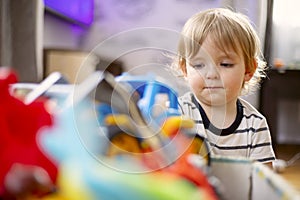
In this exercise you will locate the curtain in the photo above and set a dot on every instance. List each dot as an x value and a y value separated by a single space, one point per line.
21 29
268 33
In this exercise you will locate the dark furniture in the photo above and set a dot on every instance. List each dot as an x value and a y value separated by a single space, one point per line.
280 103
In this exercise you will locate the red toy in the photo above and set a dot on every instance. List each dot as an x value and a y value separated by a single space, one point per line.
19 125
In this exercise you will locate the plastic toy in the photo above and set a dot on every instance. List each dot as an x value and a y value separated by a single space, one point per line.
91 168
181 130
19 125
122 142
149 90
84 175
168 123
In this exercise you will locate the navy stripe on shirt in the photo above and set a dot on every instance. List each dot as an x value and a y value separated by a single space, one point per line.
251 129
253 115
241 146
266 159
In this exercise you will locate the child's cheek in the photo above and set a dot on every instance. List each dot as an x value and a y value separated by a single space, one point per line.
195 81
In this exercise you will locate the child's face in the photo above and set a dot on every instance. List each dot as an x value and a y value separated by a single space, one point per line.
216 78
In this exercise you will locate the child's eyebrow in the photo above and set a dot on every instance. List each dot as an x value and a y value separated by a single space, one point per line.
196 59
228 54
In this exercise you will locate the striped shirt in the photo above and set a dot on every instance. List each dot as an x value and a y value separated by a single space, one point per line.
248 136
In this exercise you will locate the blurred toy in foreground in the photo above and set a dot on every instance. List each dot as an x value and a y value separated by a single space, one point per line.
85 175
157 100
177 132
123 158
25 169
154 105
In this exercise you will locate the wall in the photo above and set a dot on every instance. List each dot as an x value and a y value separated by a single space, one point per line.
139 32
286 30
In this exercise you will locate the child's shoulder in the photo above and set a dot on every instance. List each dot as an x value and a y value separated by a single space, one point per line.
249 108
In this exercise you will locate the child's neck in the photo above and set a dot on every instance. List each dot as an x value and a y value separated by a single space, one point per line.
221 116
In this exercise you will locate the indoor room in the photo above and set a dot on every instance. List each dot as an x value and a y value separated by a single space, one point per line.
148 99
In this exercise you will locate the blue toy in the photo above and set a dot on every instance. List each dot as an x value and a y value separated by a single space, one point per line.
148 88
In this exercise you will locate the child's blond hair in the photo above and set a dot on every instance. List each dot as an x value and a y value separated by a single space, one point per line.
229 30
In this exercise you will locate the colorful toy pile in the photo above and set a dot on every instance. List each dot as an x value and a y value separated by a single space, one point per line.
106 149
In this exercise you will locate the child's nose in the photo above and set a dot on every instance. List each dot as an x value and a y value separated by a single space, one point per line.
212 72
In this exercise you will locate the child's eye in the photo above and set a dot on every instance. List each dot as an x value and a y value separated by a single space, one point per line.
198 66
226 64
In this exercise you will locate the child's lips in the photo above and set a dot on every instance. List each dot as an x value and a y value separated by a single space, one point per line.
213 87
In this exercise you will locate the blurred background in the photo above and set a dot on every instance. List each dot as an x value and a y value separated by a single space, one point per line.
77 37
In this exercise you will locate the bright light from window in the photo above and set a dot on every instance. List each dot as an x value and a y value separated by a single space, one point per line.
286 13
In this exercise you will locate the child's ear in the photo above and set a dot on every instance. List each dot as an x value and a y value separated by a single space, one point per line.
182 64
250 70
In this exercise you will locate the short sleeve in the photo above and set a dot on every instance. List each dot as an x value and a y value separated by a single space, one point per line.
261 148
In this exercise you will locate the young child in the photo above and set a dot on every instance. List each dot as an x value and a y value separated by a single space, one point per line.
219 55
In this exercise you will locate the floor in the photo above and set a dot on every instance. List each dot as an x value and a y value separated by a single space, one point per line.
291 173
